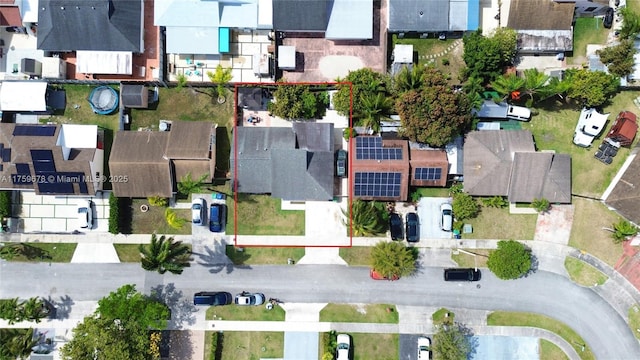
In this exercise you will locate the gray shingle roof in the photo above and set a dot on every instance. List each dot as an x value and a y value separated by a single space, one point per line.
296 15
69 25
540 175
625 196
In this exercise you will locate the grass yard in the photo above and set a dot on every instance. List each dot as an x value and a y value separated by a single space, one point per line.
583 273
587 234
79 111
154 221
634 320
247 345
433 192
506 318
356 255
493 223
634 5
127 252
442 316
373 313
375 346
426 47
44 252
586 31
245 313
550 351
468 261
263 256
262 215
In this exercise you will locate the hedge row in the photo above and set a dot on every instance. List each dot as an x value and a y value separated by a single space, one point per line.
5 203
216 345
114 216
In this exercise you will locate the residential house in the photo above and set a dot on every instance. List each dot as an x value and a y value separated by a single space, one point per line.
51 159
434 16
505 163
104 34
150 163
624 195
543 26
291 163
383 169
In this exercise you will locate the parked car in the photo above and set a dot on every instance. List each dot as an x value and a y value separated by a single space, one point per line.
197 211
212 298
217 217
411 223
446 217
424 348
462 275
85 214
608 18
377 276
395 226
247 298
341 163
344 347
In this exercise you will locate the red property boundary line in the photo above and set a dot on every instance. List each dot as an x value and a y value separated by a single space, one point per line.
234 185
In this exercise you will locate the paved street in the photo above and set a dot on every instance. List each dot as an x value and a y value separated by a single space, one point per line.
544 293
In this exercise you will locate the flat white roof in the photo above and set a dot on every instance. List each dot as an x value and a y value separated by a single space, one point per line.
29 11
23 96
286 57
403 54
265 14
78 136
104 62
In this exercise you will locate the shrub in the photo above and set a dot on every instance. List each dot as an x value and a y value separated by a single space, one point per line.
329 342
158 201
445 62
465 206
114 216
5 203
510 261
541 205
495 202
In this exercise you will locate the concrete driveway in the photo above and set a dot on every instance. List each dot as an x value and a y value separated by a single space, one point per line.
209 199
408 346
505 347
429 215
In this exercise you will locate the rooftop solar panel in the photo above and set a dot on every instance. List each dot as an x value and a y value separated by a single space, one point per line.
55 188
370 148
6 155
428 174
23 169
41 155
34 130
377 184
44 167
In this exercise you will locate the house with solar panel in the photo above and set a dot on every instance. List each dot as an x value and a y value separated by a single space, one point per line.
52 159
384 169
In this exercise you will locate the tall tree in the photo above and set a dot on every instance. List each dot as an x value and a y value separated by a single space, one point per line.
619 58
128 304
187 185
486 57
164 254
507 85
434 114
17 343
630 24
298 102
374 108
534 84
408 79
393 258
452 342
365 218
510 261
591 88
365 82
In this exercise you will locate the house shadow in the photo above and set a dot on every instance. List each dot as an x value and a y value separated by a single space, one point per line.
182 308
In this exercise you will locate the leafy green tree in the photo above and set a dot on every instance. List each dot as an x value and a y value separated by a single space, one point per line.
507 85
365 82
128 304
591 88
221 77
619 58
298 102
510 261
630 24
408 79
393 258
374 109
434 114
622 230
16 343
541 205
486 57
187 185
368 219
164 254
464 206
452 342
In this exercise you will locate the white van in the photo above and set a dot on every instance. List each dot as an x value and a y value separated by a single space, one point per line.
518 113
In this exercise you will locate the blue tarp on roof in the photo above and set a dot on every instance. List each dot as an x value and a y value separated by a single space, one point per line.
473 15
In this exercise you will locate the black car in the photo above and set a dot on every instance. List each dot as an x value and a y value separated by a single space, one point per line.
462 275
341 163
212 298
608 18
395 226
412 230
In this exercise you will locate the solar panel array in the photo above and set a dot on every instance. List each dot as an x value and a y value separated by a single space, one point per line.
34 130
377 184
43 162
22 175
370 148
428 173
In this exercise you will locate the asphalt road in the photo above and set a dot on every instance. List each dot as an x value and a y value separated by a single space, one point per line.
544 293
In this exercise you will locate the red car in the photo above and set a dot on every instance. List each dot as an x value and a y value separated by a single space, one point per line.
376 276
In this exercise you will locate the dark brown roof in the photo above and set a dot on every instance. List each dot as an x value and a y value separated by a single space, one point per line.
625 196
540 15
540 175
190 139
431 158
196 168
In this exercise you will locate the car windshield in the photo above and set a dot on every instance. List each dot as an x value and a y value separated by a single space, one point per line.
196 207
343 346
424 348
446 212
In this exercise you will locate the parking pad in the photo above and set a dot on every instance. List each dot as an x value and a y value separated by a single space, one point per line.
429 215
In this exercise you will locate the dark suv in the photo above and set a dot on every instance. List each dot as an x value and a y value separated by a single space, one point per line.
412 231
395 226
462 274
212 298
608 18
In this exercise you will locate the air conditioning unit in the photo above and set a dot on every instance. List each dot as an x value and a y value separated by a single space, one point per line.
164 125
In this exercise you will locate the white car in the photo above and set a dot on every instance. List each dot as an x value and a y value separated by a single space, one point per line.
446 217
424 348
246 298
85 215
197 211
344 345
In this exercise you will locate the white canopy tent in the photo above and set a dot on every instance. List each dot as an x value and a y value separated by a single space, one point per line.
23 96
104 62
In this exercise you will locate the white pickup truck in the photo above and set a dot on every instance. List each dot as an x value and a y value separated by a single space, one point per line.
590 125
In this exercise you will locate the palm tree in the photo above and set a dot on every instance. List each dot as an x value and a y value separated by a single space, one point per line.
17 343
10 311
541 205
221 77
507 85
164 254
554 87
173 219
367 219
409 79
622 230
374 108
534 83
187 185
34 309
393 258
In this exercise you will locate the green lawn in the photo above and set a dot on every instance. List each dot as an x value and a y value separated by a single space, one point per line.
263 256
432 192
247 345
356 255
79 111
245 313
373 313
506 318
426 47
493 223
586 31
154 221
466 260
583 273
634 320
375 346
550 351
44 252
443 315
262 215
127 252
